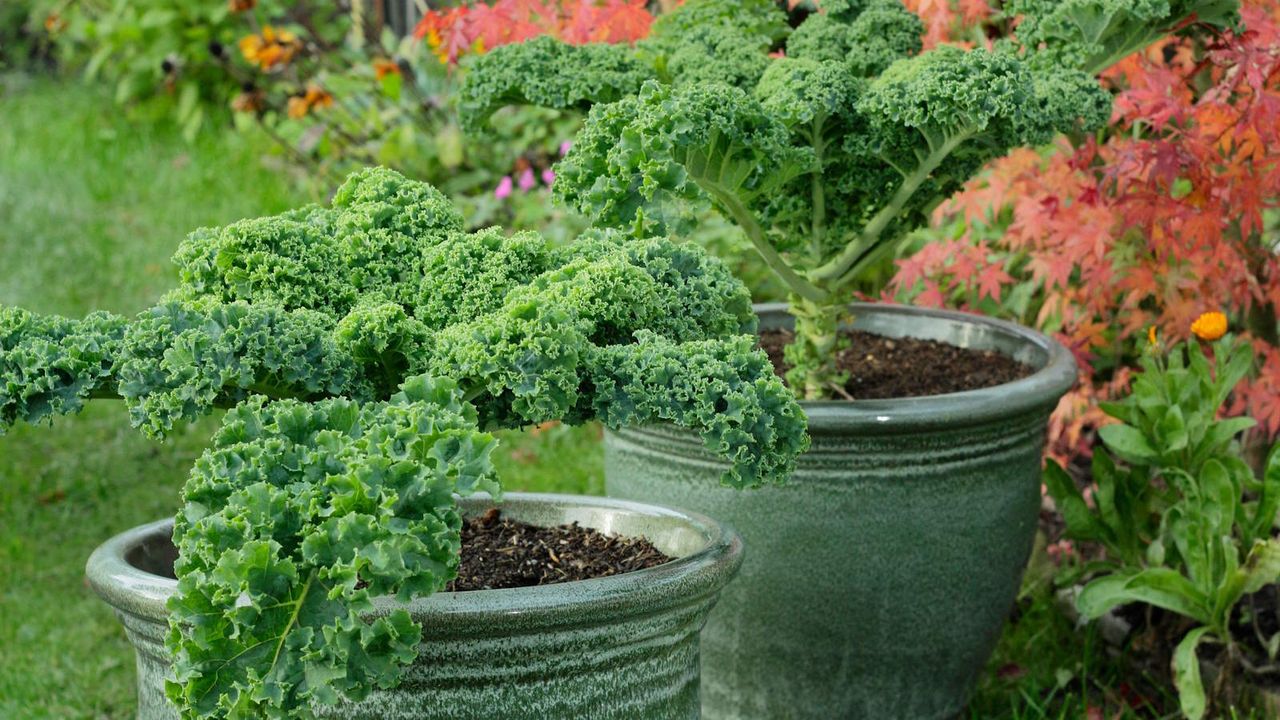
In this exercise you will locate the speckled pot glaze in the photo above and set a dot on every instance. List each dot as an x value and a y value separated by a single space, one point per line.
616 648
878 578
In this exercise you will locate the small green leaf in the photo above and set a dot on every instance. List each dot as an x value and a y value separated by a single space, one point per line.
1262 566
1172 431
1128 442
1186 674
1161 587
1081 523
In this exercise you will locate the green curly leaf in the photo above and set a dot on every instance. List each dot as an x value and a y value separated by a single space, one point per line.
296 516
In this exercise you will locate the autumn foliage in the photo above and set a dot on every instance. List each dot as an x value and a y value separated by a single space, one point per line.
481 26
1170 213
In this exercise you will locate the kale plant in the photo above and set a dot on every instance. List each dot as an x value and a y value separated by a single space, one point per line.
826 158
362 350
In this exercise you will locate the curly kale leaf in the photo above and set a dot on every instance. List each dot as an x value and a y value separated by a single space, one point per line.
687 23
181 360
293 520
934 120
50 365
866 43
724 388
640 162
370 241
547 72
1091 35
400 290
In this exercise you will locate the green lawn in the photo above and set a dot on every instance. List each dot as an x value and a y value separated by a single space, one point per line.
91 206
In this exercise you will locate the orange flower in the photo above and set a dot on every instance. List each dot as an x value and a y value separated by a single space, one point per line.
383 68
1210 326
1152 337
314 97
298 107
271 49
53 23
239 6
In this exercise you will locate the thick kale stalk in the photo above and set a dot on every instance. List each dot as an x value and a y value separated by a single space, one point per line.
829 157
361 348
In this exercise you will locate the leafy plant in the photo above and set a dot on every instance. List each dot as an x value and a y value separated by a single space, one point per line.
361 349
826 158
1185 524
1102 239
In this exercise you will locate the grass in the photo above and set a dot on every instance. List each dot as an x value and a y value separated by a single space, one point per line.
91 207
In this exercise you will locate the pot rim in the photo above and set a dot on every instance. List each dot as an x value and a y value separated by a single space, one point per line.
1039 391
681 581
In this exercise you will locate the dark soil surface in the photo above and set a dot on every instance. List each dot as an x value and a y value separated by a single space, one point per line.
498 553
882 368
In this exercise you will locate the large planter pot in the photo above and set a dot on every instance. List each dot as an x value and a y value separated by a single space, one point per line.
622 647
878 578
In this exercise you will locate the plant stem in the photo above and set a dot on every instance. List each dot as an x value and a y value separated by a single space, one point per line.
743 217
814 351
818 190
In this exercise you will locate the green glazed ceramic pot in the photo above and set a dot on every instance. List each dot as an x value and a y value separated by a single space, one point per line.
614 648
878 578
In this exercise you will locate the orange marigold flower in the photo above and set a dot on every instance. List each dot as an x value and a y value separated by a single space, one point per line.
271 49
383 68
239 6
1210 326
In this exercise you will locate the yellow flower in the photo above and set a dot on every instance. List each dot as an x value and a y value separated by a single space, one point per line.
1210 326
1152 338
271 49
297 106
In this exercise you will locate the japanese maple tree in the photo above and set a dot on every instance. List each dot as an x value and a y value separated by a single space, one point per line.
459 30
1129 235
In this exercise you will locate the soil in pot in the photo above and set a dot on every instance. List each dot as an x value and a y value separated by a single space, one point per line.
880 367
499 553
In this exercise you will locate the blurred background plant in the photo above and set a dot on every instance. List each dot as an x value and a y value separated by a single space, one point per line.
335 85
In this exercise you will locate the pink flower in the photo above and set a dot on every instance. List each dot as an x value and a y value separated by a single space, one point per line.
548 177
1061 550
527 182
565 146
503 191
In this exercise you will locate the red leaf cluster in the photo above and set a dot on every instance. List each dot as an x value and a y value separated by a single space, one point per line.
478 27
947 21
1173 213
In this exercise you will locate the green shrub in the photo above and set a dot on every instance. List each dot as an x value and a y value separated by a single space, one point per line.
1185 524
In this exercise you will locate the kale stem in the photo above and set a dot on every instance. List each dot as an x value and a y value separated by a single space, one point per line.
818 190
755 234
